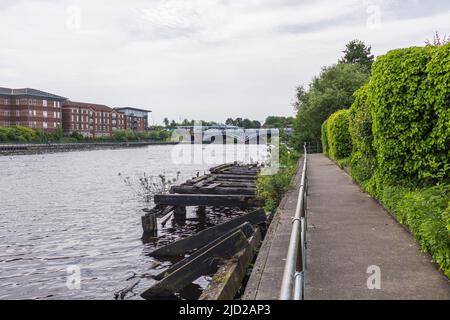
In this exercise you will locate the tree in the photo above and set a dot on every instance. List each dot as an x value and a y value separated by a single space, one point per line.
166 122
173 124
332 90
229 122
357 52
278 122
256 124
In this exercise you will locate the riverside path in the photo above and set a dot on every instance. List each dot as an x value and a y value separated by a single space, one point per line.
349 237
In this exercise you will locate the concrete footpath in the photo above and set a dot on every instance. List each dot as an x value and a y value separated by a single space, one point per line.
348 231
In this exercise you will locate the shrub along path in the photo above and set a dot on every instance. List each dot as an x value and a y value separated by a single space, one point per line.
348 232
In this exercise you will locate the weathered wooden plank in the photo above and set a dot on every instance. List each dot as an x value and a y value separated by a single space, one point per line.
221 167
217 190
235 176
246 229
228 279
204 237
197 267
238 184
198 179
239 172
186 200
203 182
212 186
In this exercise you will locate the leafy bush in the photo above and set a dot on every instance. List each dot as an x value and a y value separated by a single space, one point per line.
363 156
426 213
408 97
338 137
272 188
324 138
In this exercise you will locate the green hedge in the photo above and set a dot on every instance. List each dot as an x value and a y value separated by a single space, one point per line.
408 97
338 138
363 157
324 138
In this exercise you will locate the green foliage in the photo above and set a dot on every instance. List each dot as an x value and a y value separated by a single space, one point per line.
331 91
272 188
325 138
243 123
278 122
338 137
363 158
408 97
23 135
356 52
426 212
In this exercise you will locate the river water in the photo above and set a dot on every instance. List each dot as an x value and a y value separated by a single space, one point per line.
70 214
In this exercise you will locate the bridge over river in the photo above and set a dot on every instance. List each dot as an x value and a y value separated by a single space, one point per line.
351 240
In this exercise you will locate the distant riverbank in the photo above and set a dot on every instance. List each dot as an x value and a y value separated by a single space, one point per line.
23 149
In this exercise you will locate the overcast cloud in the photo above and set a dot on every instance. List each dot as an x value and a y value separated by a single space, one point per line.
197 59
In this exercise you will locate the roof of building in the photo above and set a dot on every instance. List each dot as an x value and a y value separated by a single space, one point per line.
29 92
93 106
135 109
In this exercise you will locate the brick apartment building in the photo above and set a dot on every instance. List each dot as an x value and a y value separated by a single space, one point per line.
91 120
41 110
30 108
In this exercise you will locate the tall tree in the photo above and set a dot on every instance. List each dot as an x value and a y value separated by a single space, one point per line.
166 122
356 52
332 90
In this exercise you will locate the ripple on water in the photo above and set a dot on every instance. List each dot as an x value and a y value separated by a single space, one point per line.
65 209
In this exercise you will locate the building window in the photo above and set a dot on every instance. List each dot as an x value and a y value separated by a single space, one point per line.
17 113
34 113
59 104
17 102
45 125
44 103
54 114
44 114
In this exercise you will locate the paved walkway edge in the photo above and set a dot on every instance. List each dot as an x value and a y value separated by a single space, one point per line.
254 290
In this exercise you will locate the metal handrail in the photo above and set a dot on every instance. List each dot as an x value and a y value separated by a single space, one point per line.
293 285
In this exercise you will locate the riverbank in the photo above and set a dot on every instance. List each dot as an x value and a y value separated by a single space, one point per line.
28 149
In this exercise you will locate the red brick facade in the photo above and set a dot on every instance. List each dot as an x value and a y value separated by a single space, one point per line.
41 110
91 120
30 108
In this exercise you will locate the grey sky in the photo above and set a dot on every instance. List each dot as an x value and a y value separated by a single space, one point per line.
197 59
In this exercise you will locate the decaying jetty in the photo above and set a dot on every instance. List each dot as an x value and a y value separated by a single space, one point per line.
224 251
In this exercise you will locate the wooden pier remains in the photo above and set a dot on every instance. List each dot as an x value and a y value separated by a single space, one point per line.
227 248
